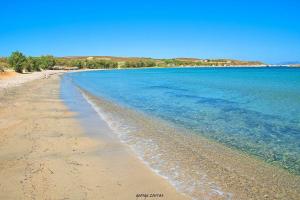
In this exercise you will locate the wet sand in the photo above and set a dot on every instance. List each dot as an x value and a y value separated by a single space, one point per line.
45 153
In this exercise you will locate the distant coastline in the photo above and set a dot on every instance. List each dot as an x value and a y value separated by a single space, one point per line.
21 63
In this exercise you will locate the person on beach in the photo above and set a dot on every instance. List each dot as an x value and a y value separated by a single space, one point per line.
46 75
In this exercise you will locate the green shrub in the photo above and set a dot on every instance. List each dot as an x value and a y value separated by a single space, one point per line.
32 64
46 62
139 64
17 61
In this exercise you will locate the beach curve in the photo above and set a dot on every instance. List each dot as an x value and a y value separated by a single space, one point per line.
46 154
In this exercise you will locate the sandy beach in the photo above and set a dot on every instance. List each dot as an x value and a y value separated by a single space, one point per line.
11 79
45 153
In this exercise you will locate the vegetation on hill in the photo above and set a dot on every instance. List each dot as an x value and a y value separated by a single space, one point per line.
133 62
205 62
139 64
86 63
20 63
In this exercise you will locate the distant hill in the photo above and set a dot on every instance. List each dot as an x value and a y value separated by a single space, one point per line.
169 62
113 62
289 63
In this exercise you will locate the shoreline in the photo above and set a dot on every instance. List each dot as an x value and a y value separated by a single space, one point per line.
46 153
229 173
218 157
18 79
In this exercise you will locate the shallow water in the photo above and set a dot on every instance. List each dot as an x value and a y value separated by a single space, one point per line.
254 110
160 112
94 126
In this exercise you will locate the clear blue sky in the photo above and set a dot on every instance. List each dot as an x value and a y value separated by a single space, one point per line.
250 30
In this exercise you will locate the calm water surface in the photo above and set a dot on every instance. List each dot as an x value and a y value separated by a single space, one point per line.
255 110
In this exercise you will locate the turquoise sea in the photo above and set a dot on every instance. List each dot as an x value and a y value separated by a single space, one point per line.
253 110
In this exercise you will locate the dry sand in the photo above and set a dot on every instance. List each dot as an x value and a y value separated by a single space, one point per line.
7 74
11 79
46 154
